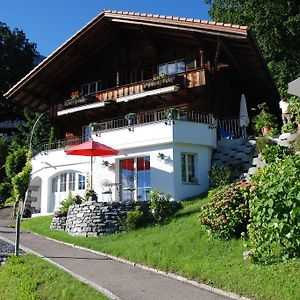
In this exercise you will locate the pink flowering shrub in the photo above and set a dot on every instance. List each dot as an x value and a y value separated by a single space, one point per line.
227 213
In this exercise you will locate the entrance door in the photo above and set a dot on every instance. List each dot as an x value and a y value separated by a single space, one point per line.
135 178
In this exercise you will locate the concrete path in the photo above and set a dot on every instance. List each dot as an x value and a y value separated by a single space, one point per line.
122 280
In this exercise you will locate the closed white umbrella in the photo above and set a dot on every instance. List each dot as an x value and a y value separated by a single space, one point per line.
244 117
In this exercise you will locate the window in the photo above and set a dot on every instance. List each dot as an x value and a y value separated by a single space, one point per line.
63 182
91 88
55 185
188 171
68 182
72 181
172 68
81 182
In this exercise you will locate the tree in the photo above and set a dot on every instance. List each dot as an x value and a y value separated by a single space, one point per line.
276 25
41 132
3 152
15 161
17 56
4 187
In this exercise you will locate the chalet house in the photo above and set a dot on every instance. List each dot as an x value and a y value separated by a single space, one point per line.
122 63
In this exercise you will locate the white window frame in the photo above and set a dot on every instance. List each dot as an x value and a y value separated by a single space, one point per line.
188 176
97 83
72 183
80 182
56 183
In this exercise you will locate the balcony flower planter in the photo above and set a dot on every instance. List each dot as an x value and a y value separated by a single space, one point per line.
172 113
131 117
79 101
94 127
161 83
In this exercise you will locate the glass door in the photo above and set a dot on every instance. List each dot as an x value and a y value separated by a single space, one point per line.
143 178
135 178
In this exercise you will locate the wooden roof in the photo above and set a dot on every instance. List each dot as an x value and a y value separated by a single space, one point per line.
40 88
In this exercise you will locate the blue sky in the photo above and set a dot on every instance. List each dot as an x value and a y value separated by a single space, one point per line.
50 22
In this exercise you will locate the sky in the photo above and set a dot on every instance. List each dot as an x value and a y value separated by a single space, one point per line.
49 23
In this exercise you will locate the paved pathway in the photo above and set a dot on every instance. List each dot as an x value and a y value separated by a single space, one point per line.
124 281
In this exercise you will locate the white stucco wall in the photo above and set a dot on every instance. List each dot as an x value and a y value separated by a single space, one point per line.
203 161
147 140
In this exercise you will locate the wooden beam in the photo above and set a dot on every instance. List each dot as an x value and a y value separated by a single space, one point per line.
237 66
217 55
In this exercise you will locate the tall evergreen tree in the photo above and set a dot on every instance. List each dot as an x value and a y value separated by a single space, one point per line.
276 25
17 56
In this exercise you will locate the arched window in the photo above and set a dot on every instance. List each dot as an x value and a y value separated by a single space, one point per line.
68 181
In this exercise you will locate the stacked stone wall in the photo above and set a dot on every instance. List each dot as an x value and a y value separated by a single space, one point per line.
58 223
96 218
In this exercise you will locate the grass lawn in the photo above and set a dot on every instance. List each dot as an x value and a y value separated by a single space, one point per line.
30 277
183 247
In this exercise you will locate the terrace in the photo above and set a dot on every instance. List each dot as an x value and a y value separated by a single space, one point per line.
146 119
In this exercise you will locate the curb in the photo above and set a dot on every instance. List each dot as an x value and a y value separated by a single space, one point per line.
153 270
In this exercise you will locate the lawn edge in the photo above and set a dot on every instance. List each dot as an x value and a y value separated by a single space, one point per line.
153 270
96 286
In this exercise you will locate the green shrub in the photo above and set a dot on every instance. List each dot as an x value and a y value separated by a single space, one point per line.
296 144
134 218
274 231
264 118
15 161
219 175
5 192
273 153
227 213
20 182
289 127
262 142
273 132
294 108
66 203
160 206
90 195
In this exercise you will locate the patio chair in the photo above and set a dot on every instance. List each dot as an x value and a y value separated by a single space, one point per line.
106 185
130 187
226 134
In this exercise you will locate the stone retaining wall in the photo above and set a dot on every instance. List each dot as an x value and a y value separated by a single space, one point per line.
58 223
96 218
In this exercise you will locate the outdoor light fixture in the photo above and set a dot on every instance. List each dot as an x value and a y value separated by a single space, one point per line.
106 163
162 156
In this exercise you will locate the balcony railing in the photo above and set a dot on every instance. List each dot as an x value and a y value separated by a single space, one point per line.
188 79
58 144
230 125
152 117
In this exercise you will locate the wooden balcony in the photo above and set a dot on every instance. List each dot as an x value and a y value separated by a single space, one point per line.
189 79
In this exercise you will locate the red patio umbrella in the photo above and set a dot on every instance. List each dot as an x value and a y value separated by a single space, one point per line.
91 148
